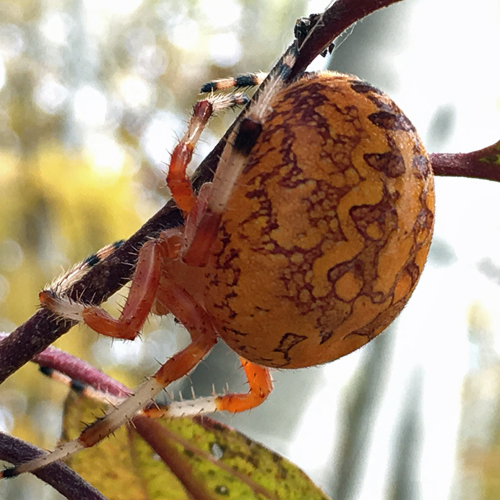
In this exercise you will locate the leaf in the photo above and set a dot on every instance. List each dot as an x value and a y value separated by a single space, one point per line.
121 467
492 158
206 460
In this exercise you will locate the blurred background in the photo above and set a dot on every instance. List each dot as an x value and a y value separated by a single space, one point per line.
93 96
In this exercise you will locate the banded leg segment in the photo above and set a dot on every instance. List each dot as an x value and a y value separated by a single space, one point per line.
236 82
137 307
203 337
234 158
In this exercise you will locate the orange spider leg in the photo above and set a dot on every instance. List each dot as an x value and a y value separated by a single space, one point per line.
177 179
259 379
139 300
260 386
137 307
203 337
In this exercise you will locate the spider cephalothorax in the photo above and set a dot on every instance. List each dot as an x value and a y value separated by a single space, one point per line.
307 244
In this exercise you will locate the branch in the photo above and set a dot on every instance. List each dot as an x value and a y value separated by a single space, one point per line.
77 369
58 475
42 329
481 164
61 477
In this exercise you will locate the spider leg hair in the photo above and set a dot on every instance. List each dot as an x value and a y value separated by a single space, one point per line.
259 380
177 179
260 386
203 338
236 82
234 158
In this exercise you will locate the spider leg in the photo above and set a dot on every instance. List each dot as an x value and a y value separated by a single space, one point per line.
203 338
260 385
137 306
82 388
234 159
236 82
259 381
177 180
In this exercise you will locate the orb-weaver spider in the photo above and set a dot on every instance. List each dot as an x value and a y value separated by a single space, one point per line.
307 244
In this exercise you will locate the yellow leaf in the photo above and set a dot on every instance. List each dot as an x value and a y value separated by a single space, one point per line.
210 460
121 467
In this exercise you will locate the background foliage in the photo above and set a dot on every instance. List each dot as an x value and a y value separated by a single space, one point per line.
93 96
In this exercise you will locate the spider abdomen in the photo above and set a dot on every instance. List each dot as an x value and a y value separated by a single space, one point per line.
327 230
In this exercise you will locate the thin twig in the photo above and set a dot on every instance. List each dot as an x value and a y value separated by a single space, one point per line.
77 369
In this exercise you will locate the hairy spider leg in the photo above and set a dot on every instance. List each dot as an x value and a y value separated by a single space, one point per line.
203 338
259 380
234 158
260 385
146 284
137 306
235 82
177 180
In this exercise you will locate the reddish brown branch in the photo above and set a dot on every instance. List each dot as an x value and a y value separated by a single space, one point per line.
77 369
58 475
482 164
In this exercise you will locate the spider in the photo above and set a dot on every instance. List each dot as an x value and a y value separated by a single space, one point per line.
306 245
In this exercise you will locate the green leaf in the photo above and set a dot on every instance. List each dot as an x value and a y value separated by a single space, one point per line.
493 158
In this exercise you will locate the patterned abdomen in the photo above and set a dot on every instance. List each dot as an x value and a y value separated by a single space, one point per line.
327 232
